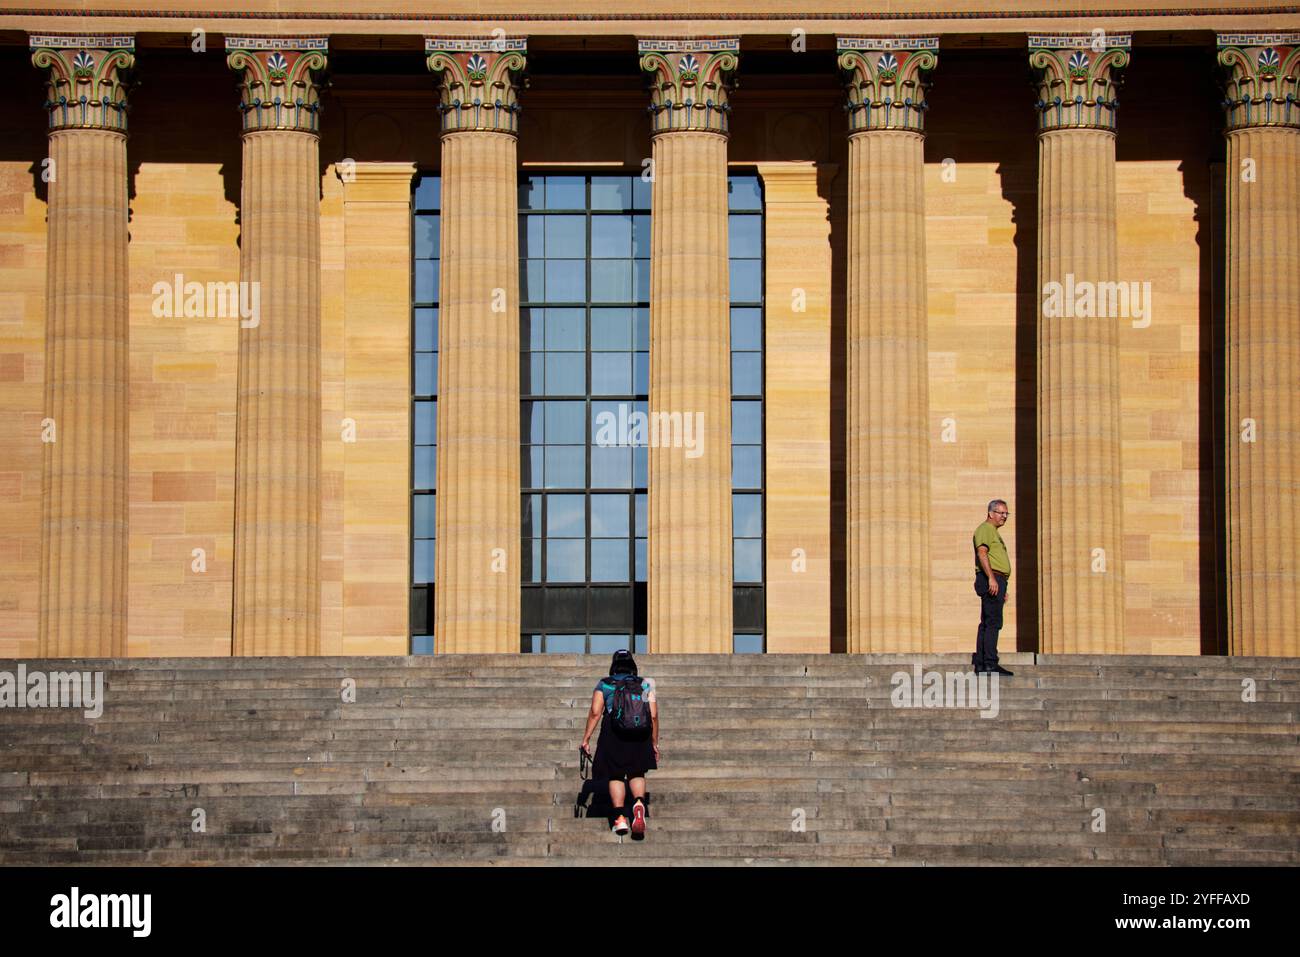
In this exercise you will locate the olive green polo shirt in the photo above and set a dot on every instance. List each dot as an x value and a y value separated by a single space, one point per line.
999 561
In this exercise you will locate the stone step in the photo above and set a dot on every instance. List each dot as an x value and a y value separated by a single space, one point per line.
413 771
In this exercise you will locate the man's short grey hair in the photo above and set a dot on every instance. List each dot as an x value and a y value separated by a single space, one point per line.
997 501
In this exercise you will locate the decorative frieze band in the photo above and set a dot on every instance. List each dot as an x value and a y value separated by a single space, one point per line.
1078 78
280 89
481 79
88 78
885 79
690 82
1260 86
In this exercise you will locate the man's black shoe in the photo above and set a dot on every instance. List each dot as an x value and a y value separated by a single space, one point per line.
999 670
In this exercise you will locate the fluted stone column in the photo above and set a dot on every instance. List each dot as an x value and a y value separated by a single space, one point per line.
83 600
476 560
1080 507
278 411
888 376
1262 381
690 560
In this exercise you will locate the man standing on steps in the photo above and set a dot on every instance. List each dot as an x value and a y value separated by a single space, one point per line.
992 569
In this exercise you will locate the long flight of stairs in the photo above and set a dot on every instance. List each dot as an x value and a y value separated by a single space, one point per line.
777 759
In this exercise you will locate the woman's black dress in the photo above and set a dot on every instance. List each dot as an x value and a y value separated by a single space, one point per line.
621 755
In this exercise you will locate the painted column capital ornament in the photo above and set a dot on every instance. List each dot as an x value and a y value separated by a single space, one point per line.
280 88
690 82
885 79
481 79
1078 77
88 80
1260 79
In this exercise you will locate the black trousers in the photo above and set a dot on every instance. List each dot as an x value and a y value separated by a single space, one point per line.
986 637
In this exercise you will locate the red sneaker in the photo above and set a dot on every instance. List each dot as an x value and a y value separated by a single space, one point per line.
638 820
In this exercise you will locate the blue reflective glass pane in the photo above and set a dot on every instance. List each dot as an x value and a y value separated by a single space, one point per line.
566 466
566 423
566 516
531 459
747 329
532 644
566 192
611 373
426 330
530 422
641 237
608 644
566 373
565 560
611 468
532 236
426 280
611 192
641 373
641 190
426 422
422 515
566 644
746 423
642 507
641 280
641 466
426 466
532 377
422 561
532 280
611 280
530 507
746 373
610 422
746 466
641 328
611 237
747 516
426 373
745 237
532 329
532 561
566 237
747 644
566 330
611 330
426 237
747 560
609 516
746 280
641 645
743 192
422 644
566 280
641 560
609 560
532 193
428 193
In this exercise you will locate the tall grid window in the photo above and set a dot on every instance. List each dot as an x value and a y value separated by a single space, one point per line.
584 243
745 238
584 376
424 409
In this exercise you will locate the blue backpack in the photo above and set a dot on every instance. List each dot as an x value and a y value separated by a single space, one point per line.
627 706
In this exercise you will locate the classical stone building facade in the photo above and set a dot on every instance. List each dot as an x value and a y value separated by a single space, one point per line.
313 325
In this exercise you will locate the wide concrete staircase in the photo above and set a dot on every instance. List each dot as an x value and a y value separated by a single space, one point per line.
767 760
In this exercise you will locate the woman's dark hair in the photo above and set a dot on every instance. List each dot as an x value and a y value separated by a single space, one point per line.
622 663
